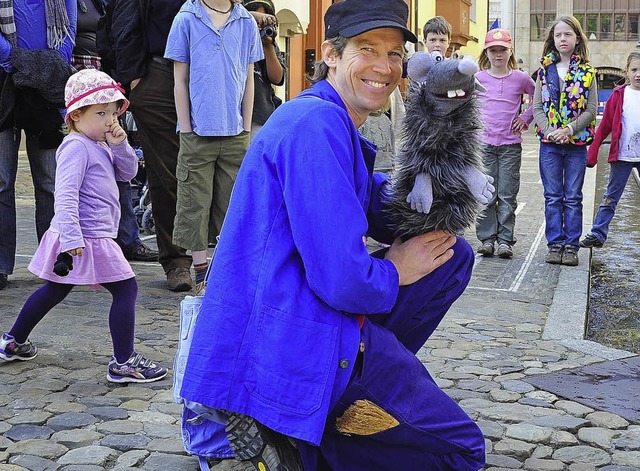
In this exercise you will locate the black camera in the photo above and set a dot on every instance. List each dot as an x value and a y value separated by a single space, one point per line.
269 31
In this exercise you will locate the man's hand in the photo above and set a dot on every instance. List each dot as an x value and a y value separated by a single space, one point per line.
421 196
479 184
76 252
116 135
420 255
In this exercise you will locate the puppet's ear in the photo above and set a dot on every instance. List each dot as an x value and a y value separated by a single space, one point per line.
419 65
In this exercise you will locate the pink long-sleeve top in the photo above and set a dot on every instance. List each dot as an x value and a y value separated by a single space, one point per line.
500 105
86 193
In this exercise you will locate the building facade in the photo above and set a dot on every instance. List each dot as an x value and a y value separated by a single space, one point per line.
301 31
612 27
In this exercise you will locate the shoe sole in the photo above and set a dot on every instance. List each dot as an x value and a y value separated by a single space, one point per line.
180 287
129 379
6 357
591 246
554 262
248 446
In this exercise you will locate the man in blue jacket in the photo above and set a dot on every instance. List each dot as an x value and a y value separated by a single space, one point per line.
302 331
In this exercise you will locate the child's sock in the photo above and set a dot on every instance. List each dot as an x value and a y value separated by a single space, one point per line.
201 271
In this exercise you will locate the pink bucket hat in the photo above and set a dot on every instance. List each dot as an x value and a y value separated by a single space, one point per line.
498 37
92 87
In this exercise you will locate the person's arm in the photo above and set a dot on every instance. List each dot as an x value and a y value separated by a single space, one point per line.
539 116
275 66
529 88
5 54
130 42
181 95
247 100
605 127
316 174
72 159
585 118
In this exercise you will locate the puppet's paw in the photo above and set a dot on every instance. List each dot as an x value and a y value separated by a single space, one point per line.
421 196
479 184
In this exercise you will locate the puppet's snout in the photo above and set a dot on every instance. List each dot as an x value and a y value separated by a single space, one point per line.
468 65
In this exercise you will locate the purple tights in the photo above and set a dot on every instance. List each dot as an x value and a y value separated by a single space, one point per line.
122 315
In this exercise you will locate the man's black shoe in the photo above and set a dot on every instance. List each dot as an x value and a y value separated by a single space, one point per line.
3 280
260 448
141 253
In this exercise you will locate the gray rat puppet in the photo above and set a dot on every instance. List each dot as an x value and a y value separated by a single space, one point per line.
439 181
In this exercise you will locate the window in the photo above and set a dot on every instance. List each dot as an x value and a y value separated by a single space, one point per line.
536 28
618 27
605 26
591 29
633 27
612 23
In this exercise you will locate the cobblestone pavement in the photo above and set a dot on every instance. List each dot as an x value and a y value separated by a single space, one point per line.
59 412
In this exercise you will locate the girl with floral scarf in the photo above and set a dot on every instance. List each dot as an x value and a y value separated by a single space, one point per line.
564 109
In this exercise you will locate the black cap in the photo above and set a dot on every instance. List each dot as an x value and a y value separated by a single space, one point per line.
350 18
254 4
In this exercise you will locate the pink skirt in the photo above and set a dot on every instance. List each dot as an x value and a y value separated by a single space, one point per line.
101 261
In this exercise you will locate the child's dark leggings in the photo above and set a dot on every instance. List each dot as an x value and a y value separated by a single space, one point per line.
122 315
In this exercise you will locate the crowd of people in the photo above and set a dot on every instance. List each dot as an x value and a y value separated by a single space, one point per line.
319 368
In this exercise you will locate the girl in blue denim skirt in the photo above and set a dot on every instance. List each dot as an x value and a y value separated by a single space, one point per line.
621 119
564 109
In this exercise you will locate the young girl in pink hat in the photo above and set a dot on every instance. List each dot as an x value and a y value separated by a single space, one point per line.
79 247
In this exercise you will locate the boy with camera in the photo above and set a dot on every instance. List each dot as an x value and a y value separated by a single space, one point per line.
270 70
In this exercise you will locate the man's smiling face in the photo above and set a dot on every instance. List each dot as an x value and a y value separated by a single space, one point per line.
368 70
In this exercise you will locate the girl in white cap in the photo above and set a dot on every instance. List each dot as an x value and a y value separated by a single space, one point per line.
78 248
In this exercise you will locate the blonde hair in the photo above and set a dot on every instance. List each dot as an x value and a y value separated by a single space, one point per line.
484 63
581 43
633 56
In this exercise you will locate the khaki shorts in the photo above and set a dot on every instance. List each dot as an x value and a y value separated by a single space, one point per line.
206 172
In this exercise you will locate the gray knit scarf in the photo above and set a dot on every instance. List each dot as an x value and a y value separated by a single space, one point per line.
58 27
7 22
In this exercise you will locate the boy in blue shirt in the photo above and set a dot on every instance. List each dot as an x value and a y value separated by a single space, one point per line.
213 44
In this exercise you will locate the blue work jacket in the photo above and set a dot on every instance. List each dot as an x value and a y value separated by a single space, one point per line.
278 333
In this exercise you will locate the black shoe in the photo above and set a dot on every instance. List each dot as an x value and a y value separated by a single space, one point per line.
260 448
591 240
3 280
141 253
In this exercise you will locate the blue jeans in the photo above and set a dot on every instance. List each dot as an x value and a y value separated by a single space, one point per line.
128 229
499 217
619 172
562 169
43 169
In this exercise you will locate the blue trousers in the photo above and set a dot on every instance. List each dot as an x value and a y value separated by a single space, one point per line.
562 169
43 168
433 432
619 172
128 230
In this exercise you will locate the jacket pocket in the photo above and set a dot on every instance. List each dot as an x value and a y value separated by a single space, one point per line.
291 361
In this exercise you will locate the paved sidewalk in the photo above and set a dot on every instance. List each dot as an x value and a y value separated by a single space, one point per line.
519 319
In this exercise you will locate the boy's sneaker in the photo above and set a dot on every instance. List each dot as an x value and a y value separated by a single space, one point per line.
505 250
260 448
591 240
137 369
570 256
554 255
11 350
486 249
